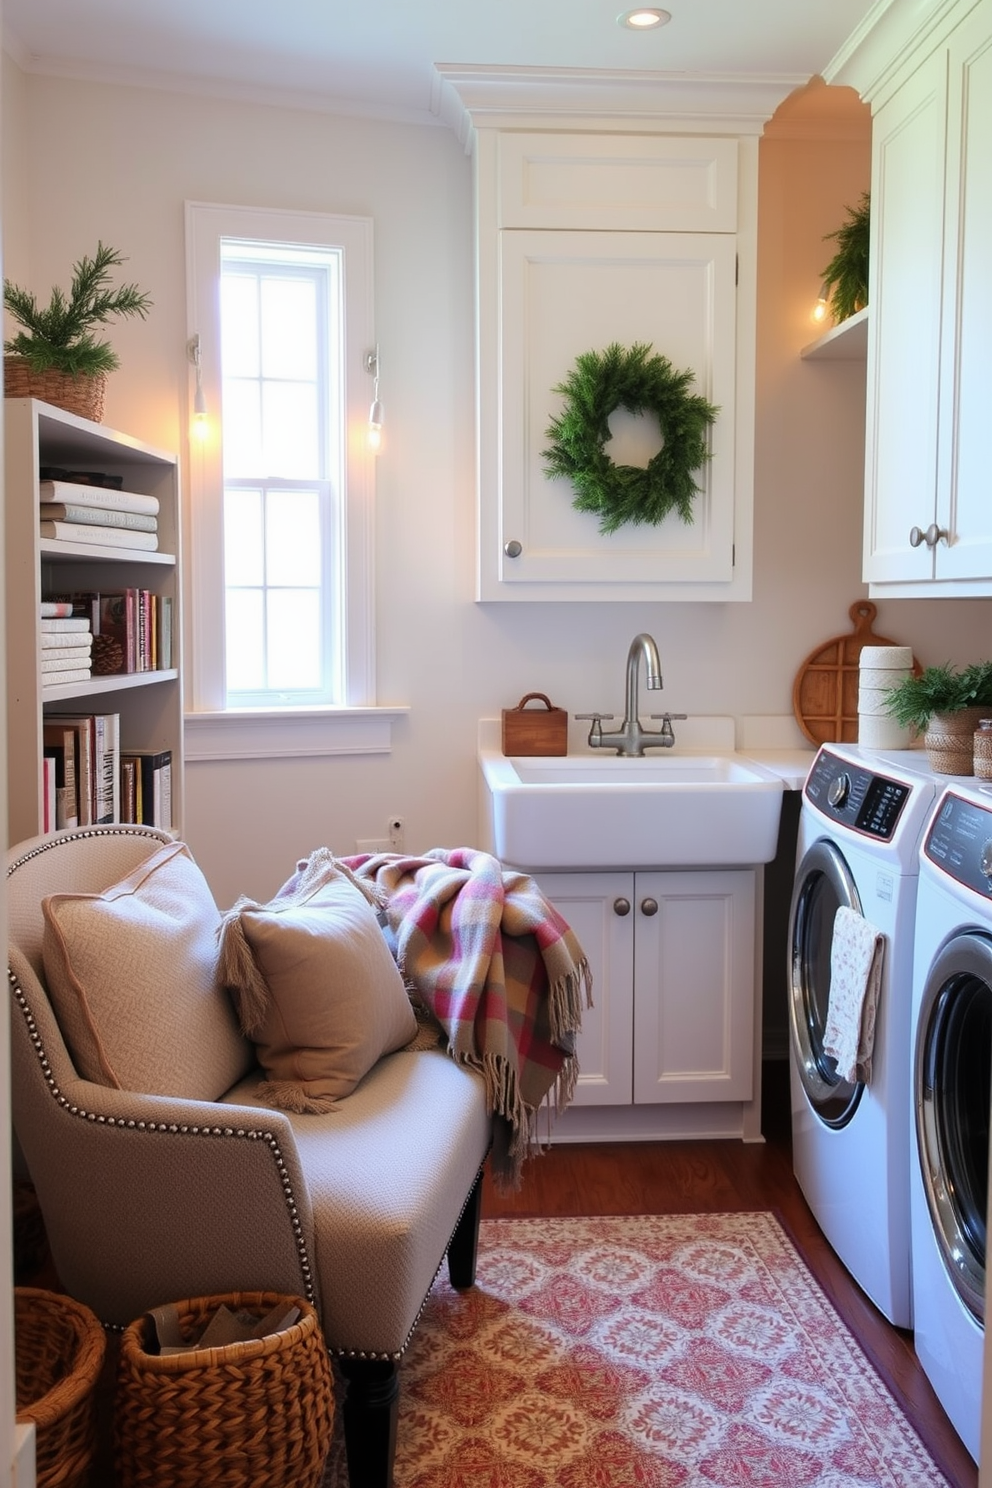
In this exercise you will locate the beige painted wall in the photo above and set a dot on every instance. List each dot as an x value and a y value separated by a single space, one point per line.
102 161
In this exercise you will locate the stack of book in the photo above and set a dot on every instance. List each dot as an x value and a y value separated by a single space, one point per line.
66 645
75 513
88 778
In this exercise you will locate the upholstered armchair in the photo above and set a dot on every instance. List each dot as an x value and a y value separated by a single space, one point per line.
190 1184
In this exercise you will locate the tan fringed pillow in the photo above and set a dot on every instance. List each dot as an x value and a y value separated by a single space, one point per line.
132 976
315 985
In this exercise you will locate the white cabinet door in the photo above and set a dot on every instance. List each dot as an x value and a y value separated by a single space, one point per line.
928 506
964 483
694 986
598 907
565 293
904 325
672 959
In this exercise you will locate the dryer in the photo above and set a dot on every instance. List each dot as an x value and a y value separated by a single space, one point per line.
950 1101
860 826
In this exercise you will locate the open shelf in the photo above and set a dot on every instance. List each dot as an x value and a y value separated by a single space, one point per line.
847 342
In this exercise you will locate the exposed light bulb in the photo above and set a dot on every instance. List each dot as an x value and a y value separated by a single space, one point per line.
199 426
375 412
822 307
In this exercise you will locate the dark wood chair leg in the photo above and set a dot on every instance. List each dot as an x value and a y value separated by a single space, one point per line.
371 1410
464 1247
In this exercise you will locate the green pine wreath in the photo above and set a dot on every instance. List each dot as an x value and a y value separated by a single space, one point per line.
597 386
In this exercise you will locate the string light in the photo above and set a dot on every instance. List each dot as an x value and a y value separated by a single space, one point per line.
822 307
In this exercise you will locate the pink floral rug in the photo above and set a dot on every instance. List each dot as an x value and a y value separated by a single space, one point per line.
646 1352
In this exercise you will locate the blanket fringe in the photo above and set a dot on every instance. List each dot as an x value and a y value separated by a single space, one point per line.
290 1097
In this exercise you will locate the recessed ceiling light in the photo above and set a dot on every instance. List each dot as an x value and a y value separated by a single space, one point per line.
644 19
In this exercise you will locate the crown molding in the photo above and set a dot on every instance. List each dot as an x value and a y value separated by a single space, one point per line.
893 32
466 96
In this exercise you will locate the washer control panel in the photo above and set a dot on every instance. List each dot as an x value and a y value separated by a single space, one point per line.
960 843
855 797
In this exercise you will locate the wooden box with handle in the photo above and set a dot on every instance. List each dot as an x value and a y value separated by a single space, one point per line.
535 730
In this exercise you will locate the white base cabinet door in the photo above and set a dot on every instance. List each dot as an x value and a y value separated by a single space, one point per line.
673 964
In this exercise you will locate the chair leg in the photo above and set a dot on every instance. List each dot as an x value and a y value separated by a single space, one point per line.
371 1410
464 1246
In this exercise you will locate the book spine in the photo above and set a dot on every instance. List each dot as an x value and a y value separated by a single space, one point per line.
105 496
48 794
77 624
165 632
106 767
97 516
107 537
64 678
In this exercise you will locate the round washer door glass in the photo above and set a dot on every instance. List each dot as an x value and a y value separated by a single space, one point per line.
823 884
953 1087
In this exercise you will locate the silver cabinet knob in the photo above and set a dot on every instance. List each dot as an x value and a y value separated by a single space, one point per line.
931 537
513 549
649 907
621 906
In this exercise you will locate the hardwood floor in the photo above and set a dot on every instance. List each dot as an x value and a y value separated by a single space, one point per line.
699 1177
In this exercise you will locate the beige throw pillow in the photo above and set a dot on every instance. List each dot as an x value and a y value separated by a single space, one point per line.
132 975
317 988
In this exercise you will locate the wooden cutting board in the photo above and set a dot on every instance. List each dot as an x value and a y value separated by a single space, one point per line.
825 692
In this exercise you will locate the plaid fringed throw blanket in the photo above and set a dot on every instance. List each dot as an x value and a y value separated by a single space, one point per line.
502 973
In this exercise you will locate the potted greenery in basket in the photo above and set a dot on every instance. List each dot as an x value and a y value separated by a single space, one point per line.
56 355
945 705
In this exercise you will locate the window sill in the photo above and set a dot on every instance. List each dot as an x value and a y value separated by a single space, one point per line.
289 733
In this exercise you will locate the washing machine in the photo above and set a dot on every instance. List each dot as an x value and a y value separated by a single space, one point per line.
861 823
950 1103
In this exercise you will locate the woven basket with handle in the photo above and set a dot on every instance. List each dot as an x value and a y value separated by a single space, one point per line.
59 1347
239 1416
82 395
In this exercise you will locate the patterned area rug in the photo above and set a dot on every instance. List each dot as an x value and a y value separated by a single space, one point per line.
646 1352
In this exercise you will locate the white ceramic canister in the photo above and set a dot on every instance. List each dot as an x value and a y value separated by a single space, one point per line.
879 669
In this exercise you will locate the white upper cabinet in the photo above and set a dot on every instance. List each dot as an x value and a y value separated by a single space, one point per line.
612 210
586 240
928 495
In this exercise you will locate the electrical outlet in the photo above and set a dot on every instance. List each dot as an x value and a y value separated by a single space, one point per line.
395 825
372 844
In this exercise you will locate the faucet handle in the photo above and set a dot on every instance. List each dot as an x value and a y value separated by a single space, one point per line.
669 716
592 717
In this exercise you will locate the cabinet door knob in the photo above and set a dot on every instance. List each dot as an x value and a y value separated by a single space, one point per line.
649 906
621 906
513 549
931 537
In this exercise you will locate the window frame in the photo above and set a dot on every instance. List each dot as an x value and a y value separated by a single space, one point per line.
206 224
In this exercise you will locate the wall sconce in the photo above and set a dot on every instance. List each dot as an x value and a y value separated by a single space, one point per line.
198 428
822 307
375 412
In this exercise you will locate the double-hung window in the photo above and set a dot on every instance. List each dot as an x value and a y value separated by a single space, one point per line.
281 485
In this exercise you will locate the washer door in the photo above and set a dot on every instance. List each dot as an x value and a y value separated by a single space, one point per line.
953 1086
823 884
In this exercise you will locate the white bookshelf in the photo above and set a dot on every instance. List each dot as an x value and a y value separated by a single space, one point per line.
149 703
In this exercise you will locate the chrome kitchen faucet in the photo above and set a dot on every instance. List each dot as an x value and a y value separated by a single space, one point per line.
630 739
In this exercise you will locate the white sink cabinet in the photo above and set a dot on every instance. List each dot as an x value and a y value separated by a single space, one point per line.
668 1048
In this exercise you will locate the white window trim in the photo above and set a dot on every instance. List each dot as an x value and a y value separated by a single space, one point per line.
358 726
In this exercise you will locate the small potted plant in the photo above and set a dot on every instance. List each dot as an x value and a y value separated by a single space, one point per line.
56 355
845 279
945 705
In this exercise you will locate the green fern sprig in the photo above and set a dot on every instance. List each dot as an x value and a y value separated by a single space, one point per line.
60 336
846 275
939 689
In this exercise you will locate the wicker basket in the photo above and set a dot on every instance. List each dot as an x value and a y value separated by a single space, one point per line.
239 1416
950 741
82 395
59 1346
